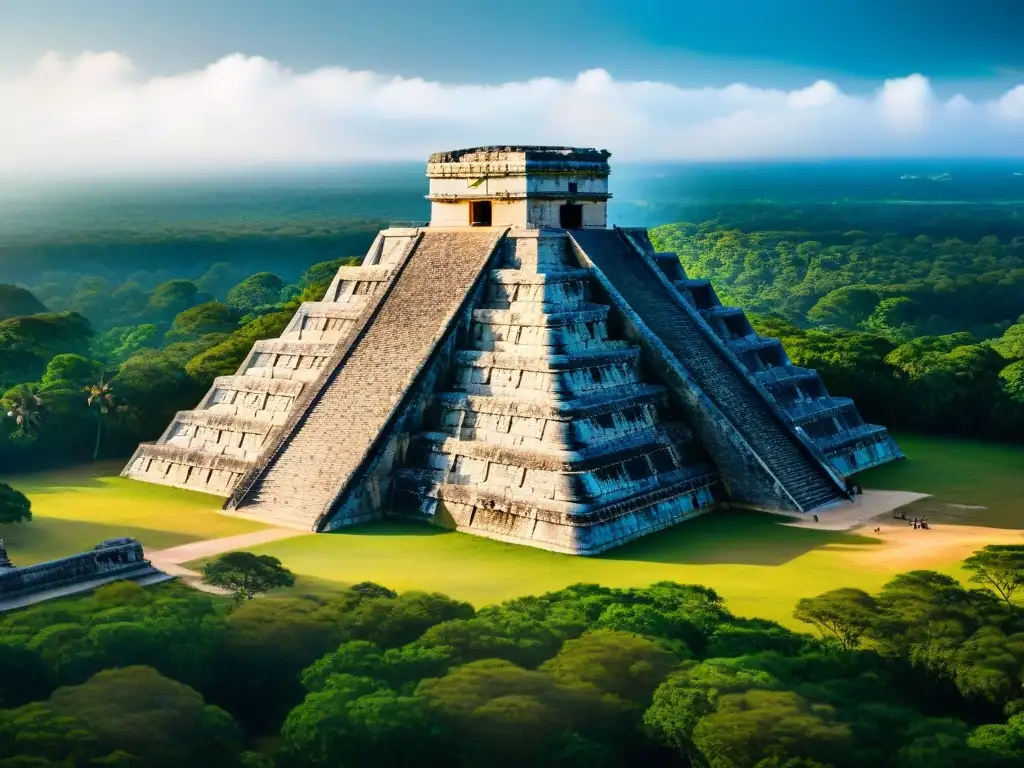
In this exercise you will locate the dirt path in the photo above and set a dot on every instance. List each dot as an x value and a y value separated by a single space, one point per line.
170 560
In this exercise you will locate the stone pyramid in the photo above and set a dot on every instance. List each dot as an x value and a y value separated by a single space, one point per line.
517 370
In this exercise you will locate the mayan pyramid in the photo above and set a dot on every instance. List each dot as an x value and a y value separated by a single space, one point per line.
516 369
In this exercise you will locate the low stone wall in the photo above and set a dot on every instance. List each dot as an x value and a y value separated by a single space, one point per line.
108 558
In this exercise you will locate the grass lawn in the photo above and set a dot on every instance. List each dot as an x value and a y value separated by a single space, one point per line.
958 474
74 509
759 565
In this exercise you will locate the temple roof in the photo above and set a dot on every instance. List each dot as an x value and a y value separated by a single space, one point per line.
532 153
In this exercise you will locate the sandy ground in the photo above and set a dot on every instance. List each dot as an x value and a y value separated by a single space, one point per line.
869 506
905 548
169 560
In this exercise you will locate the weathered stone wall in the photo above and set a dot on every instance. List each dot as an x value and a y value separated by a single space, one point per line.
526 186
567 392
117 556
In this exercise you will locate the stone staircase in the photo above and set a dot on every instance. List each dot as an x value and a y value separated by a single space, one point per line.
832 424
333 436
803 478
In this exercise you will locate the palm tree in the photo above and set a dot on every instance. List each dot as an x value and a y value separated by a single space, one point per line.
101 401
25 407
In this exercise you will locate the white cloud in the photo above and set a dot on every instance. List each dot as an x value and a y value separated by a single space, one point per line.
95 113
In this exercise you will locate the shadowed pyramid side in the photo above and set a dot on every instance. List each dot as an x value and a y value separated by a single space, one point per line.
763 460
832 423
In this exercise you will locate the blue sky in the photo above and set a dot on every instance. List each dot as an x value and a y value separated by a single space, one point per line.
166 85
974 44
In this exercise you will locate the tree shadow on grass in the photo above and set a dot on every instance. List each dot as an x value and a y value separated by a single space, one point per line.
394 526
735 538
49 479
46 538
719 538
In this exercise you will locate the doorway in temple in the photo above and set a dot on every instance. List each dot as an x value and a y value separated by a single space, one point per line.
570 216
480 213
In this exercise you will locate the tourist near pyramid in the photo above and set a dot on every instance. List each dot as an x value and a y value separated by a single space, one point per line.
518 370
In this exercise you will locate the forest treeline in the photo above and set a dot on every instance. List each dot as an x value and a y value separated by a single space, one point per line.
901 286
53 262
925 335
923 674
110 371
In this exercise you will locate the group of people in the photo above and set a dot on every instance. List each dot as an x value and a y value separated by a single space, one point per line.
917 522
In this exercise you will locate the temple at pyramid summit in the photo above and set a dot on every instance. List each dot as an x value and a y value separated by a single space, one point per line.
517 369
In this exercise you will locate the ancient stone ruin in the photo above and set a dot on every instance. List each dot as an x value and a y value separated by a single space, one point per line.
516 369
111 560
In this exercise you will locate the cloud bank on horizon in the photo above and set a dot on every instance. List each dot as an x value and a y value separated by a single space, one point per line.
95 113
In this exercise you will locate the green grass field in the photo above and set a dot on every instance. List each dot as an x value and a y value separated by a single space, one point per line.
959 472
759 565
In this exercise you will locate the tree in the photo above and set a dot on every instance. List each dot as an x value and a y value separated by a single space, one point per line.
747 727
118 344
27 344
894 317
1012 381
255 291
396 666
503 714
1011 344
35 736
217 279
688 696
999 567
175 296
393 622
69 372
14 505
211 317
846 307
989 666
627 666
25 407
1002 744
101 402
356 721
846 614
160 721
245 575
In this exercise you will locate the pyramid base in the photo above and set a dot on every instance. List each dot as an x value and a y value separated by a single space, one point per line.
588 533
